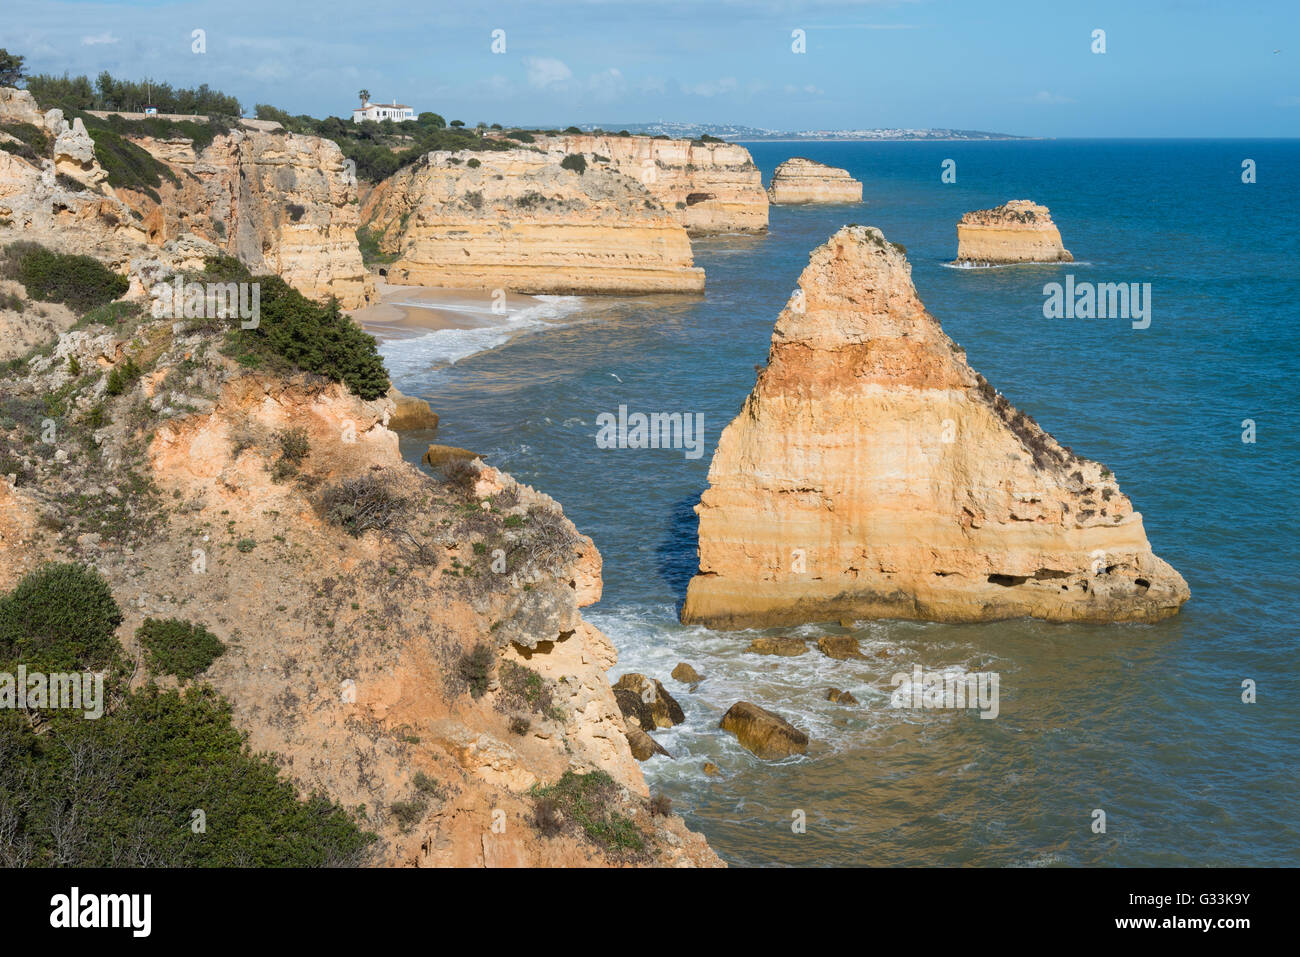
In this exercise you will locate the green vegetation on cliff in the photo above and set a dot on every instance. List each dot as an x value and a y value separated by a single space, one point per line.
80 282
296 334
160 779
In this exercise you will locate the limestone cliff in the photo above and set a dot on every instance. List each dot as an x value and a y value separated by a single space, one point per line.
432 666
1019 231
708 187
873 474
517 220
799 180
280 202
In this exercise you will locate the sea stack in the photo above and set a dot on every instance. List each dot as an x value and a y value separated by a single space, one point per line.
873 474
1019 231
800 180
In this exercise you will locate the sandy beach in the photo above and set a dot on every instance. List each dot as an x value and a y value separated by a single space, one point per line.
433 326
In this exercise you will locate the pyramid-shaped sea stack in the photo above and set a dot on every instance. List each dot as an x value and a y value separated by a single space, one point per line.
873 474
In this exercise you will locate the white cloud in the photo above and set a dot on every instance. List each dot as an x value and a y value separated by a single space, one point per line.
1043 96
727 84
544 72
808 88
99 38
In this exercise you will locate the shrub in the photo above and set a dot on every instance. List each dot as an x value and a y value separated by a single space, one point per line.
297 333
32 136
370 251
519 725
547 817
62 617
130 166
121 792
475 669
473 163
111 314
459 473
408 813
661 805
80 282
362 503
180 648
294 444
588 801
124 374
576 162
524 688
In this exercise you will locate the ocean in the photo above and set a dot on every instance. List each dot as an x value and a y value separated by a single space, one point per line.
1143 722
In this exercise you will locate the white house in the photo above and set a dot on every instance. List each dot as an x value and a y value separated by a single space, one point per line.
383 111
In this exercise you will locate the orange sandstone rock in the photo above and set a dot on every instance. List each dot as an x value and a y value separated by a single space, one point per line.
1019 231
873 474
800 180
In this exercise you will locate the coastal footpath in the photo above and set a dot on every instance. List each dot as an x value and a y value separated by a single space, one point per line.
1019 231
519 220
708 186
800 181
873 474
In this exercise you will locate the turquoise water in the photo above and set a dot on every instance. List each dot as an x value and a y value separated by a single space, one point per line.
1143 722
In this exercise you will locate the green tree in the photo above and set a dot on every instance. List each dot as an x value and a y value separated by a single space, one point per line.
365 96
11 68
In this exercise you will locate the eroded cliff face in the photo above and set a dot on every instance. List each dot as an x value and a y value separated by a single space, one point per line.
62 199
280 202
873 474
707 187
799 180
1019 231
346 654
519 221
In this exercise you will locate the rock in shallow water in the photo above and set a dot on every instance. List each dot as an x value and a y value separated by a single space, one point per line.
686 674
784 647
767 735
646 697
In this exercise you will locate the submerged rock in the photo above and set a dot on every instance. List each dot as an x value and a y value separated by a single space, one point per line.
873 474
836 696
767 735
840 647
784 647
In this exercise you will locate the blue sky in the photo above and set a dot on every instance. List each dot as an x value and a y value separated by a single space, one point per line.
1171 67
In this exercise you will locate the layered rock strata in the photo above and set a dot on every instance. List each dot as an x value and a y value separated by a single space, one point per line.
519 221
873 474
281 203
1019 231
708 187
799 180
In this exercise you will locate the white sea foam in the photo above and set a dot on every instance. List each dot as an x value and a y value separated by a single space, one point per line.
413 355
